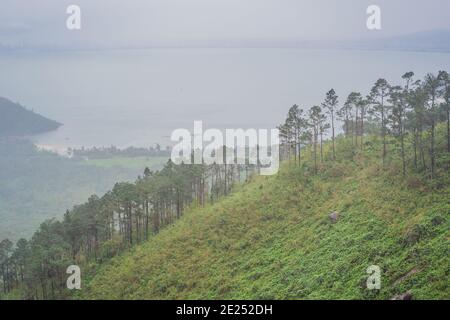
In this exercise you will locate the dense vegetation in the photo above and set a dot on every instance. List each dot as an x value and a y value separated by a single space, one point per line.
103 227
114 152
273 239
386 178
135 164
16 120
37 185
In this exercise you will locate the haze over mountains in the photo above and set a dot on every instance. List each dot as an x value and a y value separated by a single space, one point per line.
429 41
425 41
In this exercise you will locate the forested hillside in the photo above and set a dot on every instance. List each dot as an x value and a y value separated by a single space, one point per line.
274 239
15 120
375 194
36 185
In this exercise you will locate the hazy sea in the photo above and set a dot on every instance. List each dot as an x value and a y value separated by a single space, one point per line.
138 97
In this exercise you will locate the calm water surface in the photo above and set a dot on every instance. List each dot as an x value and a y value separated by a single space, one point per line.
138 97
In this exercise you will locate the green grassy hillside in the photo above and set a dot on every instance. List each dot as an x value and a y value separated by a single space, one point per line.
273 238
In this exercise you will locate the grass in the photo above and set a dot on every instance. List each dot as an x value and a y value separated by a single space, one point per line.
273 239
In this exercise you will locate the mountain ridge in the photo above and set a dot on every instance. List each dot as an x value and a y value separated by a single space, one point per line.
435 40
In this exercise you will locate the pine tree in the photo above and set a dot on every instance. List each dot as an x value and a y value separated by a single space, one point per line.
331 104
378 96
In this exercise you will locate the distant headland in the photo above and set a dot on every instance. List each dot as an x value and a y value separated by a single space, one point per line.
18 121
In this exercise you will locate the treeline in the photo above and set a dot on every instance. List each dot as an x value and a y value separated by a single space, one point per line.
113 151
103 227
408 113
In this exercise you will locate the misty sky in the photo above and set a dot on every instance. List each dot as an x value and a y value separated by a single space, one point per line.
155 22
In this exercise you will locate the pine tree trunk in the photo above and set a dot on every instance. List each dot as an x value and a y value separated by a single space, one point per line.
332 134
448 128
299 153
315 151
415 147
362 130
321 148
383 129
432 155
403 150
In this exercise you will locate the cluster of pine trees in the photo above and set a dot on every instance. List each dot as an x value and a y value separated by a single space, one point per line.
408 112
103 227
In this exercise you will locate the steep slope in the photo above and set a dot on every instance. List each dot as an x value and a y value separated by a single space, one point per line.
273 238
15 120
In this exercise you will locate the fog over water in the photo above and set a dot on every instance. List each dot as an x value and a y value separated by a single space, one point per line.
139 97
